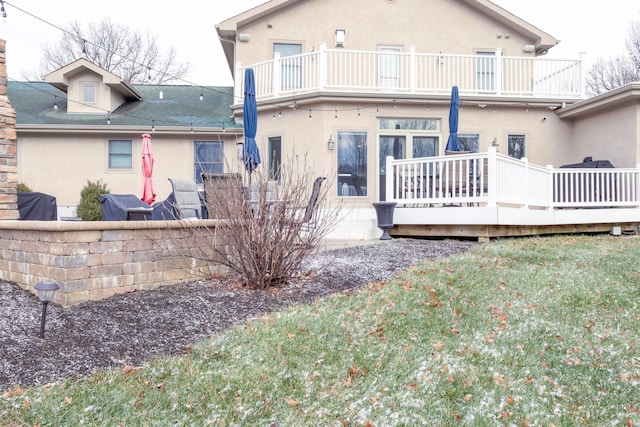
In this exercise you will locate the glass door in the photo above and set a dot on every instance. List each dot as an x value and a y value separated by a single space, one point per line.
389 67
291 68
389 146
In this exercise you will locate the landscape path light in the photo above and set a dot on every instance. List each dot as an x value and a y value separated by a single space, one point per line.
45 291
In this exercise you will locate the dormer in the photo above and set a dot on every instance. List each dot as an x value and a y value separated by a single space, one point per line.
91 89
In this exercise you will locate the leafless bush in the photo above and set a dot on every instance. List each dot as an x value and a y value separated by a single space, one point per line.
266 230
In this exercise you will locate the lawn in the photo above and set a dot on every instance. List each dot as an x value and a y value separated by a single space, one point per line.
523 332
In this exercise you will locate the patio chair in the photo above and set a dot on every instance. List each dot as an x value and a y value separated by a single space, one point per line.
218 186
187 199
304 216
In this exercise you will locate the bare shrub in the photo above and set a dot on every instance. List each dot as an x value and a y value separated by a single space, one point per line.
265 230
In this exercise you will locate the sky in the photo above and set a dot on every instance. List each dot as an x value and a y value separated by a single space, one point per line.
189 26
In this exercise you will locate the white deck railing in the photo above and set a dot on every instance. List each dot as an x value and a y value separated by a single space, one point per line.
352 71
493 179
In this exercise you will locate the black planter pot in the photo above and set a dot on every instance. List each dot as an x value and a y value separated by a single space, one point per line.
384 213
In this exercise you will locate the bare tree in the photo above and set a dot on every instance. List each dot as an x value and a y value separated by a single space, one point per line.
609 74
127 53
265 232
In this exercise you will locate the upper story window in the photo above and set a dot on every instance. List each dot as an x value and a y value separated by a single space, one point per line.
120 154
486 71
390 67
208 158
89 93
291 68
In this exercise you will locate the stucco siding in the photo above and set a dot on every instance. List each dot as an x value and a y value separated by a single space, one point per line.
433 26
612 135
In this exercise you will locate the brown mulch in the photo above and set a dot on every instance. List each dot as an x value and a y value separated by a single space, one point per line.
131 328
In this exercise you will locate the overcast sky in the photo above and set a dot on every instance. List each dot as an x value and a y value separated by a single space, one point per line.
598 28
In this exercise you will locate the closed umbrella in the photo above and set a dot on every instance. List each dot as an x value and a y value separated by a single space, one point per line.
452 143
250 154
148 193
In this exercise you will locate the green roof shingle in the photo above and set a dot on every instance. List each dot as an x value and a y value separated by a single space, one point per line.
180 105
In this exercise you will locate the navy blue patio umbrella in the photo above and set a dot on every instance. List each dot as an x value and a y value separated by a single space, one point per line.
250 153
452 143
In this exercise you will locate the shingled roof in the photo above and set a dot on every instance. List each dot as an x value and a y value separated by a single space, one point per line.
165 105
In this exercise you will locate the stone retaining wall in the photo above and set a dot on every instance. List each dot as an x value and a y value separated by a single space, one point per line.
95 260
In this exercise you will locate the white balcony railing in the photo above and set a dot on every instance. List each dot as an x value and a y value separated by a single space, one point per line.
493 179
415 73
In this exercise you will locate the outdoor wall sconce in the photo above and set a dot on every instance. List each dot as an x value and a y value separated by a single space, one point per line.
340 35
240 150
45 291
494 143
331 144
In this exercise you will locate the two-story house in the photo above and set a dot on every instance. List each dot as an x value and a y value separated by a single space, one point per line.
346 84
350 83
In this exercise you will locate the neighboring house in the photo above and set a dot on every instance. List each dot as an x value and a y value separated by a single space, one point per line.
375 77
84 123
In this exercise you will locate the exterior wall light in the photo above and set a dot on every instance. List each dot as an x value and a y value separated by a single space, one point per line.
243 37
45 291
331 144
340 36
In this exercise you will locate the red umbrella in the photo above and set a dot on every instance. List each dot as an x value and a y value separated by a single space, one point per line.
148 193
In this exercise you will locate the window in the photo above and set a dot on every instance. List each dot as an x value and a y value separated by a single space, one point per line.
352 164
486 71
275 157
89 93
390 66
516 145
120 154
409 124
469 142
208 158
291 68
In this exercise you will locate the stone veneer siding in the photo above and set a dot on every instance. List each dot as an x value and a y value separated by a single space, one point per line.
95 260
8 144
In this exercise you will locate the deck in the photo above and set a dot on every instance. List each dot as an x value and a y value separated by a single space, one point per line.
489 195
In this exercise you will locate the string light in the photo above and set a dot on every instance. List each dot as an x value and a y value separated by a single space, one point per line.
201 94
336 116
191 130
309 113
2 11
108 118
153 125
55 103
358 111
526 110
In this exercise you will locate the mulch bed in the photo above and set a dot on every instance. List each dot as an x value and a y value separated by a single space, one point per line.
131 328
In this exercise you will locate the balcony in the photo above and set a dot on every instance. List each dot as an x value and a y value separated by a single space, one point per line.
410 73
